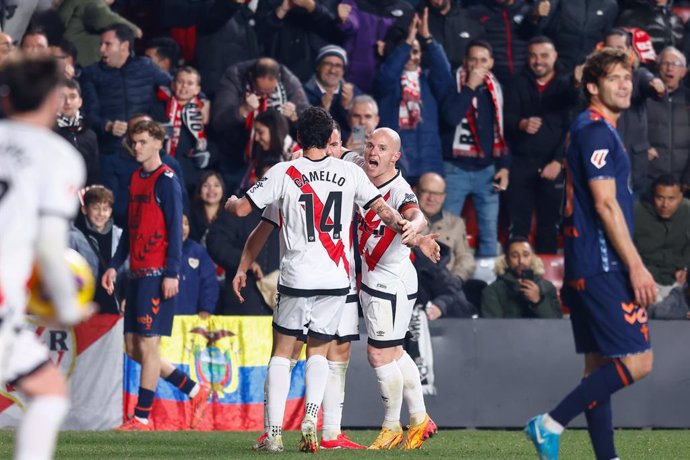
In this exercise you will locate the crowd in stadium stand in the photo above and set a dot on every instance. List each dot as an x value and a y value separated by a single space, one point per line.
482 93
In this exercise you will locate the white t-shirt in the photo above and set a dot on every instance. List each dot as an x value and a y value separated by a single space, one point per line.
40 174
315 199
384 256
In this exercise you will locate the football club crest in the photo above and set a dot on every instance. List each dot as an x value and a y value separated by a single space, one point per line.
193 262
598 158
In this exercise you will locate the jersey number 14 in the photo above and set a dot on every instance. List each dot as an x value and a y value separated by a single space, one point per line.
318 215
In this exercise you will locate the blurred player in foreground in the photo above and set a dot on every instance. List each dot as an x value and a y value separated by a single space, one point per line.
40 174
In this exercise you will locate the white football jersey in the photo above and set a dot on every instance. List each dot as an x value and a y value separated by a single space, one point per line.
315 199
384 256
40 173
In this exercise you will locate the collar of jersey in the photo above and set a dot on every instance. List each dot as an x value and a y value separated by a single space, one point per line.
391 180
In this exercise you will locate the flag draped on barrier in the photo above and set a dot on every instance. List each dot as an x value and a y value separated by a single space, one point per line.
230 355
90 355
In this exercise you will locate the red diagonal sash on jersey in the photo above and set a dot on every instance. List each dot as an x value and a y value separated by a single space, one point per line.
335 251
373 258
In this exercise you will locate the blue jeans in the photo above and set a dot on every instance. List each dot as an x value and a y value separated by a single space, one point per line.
479 184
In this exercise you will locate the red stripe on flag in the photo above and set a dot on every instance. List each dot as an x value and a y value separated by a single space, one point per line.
90 331
170 415
335 251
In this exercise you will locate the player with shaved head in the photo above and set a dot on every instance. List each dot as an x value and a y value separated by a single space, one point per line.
388 293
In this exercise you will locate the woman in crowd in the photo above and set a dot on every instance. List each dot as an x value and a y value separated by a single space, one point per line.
207 204
272 144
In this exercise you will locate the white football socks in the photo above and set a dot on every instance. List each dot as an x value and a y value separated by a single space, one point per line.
333 399
390 382
37 433
412 390
278 385
552 425
315 378
293 363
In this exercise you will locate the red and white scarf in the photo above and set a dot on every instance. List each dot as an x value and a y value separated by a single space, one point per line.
188 115
410 113
276 100
466 140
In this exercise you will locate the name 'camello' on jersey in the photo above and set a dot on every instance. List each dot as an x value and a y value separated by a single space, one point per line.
315 199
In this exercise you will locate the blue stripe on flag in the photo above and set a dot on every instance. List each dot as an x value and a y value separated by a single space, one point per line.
250 389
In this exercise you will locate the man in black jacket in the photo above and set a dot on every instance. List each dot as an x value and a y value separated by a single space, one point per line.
452 27
71 126
224 242
508 26
536 115
439 290
577 26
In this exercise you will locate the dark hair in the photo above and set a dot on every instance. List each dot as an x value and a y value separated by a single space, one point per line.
599 63
33 31
265 67
621 33
72 84
278 125
279 128
198 203
154 129
514 240
337 127
68 48
26 81
314 128
540 40
123 32
98 194
665 180
478 43
166 48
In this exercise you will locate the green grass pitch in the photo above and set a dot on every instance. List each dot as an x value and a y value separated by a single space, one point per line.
465 444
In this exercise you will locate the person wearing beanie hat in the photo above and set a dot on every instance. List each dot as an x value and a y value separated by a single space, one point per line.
327 87
332 50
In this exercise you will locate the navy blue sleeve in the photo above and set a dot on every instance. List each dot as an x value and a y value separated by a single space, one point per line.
169 197
209 287
454 106
122 251
596 150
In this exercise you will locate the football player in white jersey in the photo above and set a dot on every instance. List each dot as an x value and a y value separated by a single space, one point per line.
315 195
40 174
387 293
348 329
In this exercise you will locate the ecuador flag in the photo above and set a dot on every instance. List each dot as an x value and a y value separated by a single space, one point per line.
229 354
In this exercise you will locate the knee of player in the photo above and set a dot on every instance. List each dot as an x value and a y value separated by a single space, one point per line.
646 366
339 352
378 357
640 366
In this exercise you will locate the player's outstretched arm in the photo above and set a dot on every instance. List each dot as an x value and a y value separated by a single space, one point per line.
50 254
417 224
255 242
388 215
611 214
239 207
